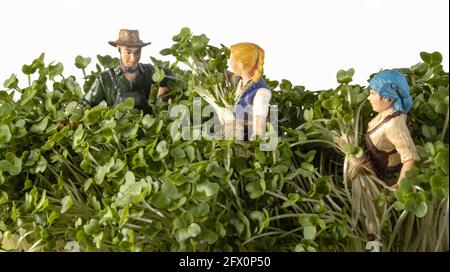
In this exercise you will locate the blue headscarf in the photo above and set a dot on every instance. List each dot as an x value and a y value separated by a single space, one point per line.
393 85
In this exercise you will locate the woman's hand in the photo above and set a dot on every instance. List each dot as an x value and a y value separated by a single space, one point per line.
407 166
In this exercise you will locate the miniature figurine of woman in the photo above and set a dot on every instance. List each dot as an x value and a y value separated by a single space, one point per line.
388 140
252 94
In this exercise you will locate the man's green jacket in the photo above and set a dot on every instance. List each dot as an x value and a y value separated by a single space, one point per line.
113 87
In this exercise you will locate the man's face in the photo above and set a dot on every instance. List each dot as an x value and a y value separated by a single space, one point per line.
379 103
130 55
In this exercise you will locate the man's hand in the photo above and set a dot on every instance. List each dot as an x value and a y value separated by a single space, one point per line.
70 123
407 166
162 91
395 186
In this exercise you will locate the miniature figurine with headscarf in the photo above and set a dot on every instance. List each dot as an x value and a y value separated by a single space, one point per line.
390 147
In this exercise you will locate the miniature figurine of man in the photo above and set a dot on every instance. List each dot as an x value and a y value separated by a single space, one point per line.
129 79
388 140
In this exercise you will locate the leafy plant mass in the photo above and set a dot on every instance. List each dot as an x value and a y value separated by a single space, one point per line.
113 179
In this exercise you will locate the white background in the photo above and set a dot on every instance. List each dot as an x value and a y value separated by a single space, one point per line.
306 42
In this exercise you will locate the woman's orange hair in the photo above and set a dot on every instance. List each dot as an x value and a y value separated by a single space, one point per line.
250 55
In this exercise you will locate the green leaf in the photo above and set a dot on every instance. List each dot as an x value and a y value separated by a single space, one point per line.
246 222
280 169
123 217
429 132
152 229
441 160
100 172
162 151
437 181
39 127
299 248
178 204
78 136
18 132
160 200
49 105
200 210
170 190
28 94
98 240
421 209
182 234
11 82
129 177
261 218
128 131
183 221
209 236
442 91
208 188
260 156
218 171
308 157
177 153
55 70
35 65
353 150
439 185
399 206
323 185
139 160
307 169
158 128
3 198
53 215
185 32
309 232
95 203
194 230
107 61
305 221
199 42
11 164
434 58
292 199
147 121
254 189
81 62
429 147
5 109
165 52
331 104
190 153
345 76
5 134
318 222
41 165
158 74
40 219
310 249
441 108
43 202
67 203
93 227
308 115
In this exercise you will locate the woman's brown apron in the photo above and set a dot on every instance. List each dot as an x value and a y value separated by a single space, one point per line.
380 158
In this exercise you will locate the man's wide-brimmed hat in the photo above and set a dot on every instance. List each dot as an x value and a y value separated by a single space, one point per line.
129 38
